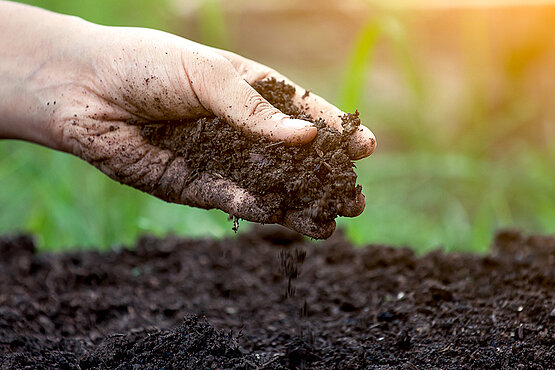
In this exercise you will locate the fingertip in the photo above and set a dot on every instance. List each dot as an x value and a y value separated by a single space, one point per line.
362 143
296 131
355 207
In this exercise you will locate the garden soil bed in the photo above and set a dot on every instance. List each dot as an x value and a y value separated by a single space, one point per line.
258 301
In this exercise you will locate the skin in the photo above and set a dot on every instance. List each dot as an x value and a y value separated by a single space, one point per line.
72 86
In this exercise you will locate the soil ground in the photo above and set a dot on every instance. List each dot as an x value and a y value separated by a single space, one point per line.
270 299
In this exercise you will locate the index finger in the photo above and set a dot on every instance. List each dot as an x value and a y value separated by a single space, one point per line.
363 141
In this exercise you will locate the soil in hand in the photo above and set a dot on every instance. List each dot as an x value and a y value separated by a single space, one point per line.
374 307
317 178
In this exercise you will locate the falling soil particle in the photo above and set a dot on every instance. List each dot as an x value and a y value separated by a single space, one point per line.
291 262
316 178
182 303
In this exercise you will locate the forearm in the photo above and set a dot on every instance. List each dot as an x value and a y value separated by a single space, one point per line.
34 58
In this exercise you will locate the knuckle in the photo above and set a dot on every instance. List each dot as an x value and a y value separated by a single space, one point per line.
171 183
265 73
214 63
141 169
258 106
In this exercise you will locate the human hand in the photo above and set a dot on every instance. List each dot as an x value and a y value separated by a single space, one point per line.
99 84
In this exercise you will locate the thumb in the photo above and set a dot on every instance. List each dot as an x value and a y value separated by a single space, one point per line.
232 98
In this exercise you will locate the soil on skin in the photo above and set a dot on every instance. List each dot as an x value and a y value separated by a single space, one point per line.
181 303
317 178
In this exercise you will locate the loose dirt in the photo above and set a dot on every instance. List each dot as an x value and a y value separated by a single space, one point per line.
317 178
181 303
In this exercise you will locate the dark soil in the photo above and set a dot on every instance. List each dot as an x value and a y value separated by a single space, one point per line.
180 303
317 178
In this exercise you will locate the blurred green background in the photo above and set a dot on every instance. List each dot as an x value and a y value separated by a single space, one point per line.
460 99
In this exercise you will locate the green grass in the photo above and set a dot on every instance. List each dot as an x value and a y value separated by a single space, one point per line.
419 199
67 203
453 201
446 178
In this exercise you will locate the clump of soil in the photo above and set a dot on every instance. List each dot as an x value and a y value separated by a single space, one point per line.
375 307
317 178
193 344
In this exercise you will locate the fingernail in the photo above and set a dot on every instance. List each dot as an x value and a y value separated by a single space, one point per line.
296 123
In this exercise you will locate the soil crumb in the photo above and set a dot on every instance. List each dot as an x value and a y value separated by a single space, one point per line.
317 178
290 265
195 304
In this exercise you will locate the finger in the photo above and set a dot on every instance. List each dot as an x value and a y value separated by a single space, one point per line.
119 150
354 207
362 143
313 104
122 153
295 220
227 95
169 179
212 191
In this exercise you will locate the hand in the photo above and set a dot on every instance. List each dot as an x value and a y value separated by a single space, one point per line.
95 79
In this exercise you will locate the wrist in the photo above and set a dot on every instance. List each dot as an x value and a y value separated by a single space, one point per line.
38 57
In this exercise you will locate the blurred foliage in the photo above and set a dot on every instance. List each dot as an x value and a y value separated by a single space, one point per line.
139 13
451 182
438 184
455 201
213 24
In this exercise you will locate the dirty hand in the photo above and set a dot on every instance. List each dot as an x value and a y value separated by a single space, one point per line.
86 89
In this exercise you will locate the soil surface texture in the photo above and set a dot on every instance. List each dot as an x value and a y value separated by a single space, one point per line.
316 178
270 299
